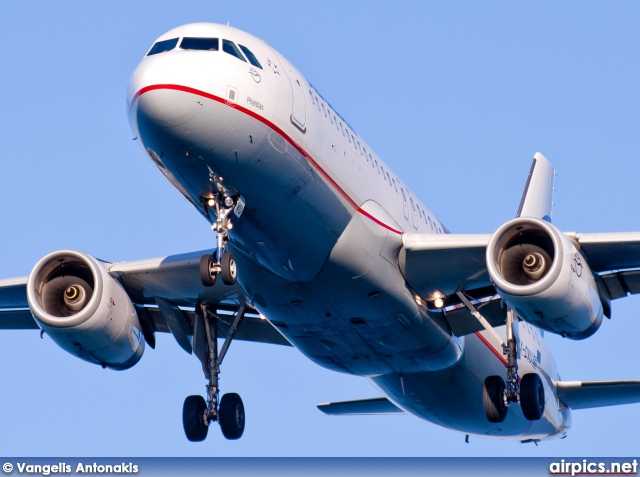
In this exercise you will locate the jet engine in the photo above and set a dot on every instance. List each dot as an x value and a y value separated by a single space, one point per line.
85 310
541 275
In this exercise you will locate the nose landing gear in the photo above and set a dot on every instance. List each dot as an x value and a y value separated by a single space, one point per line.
198 414
220 262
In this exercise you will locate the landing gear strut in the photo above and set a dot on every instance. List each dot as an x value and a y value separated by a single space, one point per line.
528 391
197 414
219 261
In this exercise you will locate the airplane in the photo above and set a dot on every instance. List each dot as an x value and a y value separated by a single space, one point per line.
320 246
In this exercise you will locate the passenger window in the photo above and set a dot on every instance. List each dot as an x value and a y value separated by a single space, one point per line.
231 48
324 111
377 167
382 169
336 121
163 46
395 186
252 58
354 142
389 178
207 44
311 94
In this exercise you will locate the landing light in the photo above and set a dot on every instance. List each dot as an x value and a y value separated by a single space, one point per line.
262 317
211 202
439 302
418 300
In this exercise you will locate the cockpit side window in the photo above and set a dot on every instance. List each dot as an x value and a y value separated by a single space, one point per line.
163 46
252 58
207 44
231 48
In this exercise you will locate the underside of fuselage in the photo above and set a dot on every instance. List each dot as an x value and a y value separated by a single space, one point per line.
321 265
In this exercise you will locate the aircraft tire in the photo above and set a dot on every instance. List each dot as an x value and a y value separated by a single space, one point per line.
231 416
229 269
532 396
206 277
192 418
493 399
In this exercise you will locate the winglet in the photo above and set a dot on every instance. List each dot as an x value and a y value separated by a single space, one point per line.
537 198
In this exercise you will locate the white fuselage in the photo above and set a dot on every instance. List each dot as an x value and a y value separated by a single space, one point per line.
317 242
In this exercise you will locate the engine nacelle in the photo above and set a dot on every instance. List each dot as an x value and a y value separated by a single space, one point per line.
85 310
541 275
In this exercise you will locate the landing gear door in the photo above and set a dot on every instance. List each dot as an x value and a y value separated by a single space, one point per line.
299 106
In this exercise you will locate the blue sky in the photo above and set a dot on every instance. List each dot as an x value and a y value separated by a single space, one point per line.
455 96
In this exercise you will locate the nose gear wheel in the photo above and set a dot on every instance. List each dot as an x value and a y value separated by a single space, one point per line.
220 262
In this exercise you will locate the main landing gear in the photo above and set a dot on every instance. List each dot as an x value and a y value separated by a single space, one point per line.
220 262
198 414
528 391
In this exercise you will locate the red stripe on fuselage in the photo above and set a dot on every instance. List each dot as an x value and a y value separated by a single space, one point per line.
491 348
267 123
382 224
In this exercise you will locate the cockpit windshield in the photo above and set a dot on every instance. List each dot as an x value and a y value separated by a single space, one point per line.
231 48
252 58
163 46
207 44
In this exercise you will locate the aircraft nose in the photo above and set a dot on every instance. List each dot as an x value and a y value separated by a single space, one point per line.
165 106
158 93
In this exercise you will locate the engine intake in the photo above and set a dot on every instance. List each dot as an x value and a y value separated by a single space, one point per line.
539 273
85 310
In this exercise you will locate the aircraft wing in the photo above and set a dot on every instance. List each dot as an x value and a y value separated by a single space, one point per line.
442 264
165 292
589 394
615 257
14 313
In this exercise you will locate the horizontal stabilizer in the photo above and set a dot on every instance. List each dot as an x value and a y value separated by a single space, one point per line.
589 394
361 406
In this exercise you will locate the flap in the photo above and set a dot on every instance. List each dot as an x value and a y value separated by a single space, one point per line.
463 323
589 394
252 328
361 406
621 284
